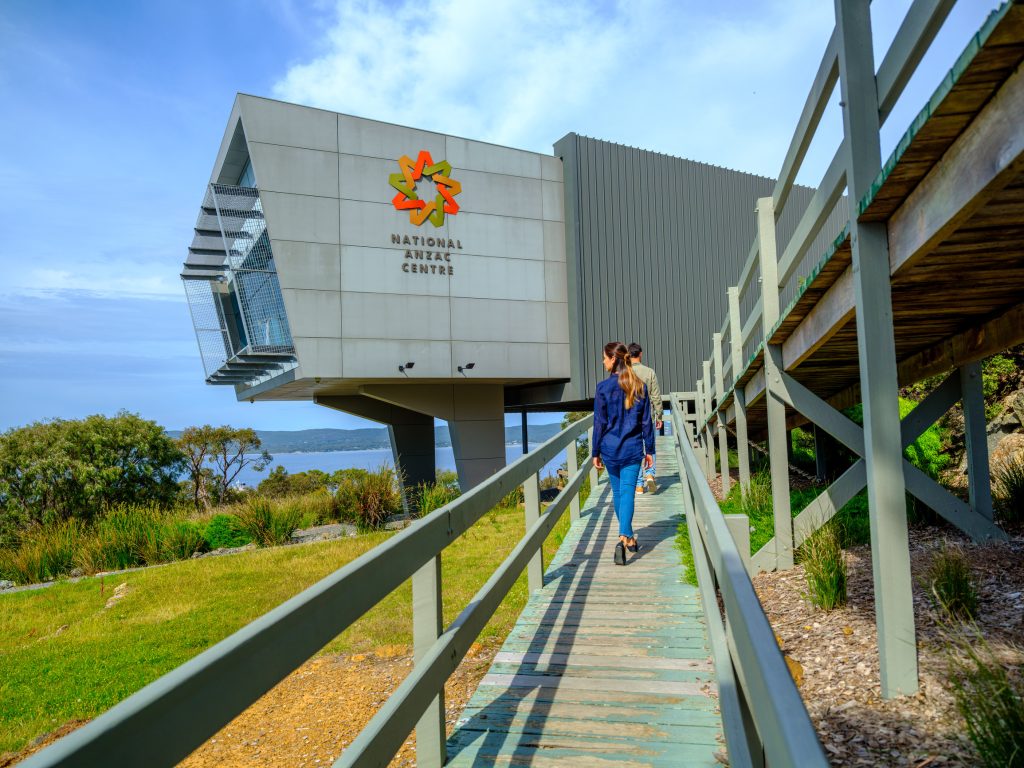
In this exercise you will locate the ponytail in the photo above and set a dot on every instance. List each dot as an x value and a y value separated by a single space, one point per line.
623 366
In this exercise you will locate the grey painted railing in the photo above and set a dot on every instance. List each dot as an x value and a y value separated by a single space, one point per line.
763 716
169 718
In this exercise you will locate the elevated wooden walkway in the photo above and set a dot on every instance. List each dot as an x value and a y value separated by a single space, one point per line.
607 665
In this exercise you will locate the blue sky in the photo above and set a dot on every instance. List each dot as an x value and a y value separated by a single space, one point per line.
113 112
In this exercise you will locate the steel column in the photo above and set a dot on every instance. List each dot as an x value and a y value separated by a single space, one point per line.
427 625
978 478
890 555
778 448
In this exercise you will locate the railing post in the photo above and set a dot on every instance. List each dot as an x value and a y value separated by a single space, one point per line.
709 440
531 499
593 469
572 466
427 625
778 451
723 436
979 486
876 347
739 397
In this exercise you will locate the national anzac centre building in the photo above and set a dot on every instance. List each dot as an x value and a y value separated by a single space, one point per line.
402 275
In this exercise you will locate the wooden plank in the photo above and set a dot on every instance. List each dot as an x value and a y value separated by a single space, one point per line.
983 160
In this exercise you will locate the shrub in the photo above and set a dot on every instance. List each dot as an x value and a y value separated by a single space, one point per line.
950 583
434 496
181 539
43 552
371 499
1008 488
224 532
266 524
824 567
124 537
990 701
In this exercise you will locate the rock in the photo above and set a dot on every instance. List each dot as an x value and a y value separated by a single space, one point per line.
1006 447
5 584
1015 403
120 592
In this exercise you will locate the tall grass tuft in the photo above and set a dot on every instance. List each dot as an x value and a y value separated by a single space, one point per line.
825 567
42 552
950 584
1008 488
124 536
435 495
990 699
266 523
371 499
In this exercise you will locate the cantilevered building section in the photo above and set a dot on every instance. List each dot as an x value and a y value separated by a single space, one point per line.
403 275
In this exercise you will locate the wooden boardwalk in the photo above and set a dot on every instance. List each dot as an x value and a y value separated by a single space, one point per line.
607 665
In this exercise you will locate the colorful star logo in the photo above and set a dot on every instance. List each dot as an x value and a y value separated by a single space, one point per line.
407 199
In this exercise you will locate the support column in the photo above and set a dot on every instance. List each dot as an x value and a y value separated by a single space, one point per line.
978 473
778 437
723 436
709 440
411 434
476 420
427 625
736 337
883 455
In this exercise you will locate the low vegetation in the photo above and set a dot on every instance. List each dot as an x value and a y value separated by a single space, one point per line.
990 698
824 567
949 582
1008 489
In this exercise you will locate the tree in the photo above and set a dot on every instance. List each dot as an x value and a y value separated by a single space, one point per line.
280 483
59 469
216 455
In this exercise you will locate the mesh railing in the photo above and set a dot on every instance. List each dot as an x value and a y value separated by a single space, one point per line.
237 307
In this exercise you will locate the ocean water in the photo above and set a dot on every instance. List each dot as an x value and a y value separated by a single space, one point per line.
330 461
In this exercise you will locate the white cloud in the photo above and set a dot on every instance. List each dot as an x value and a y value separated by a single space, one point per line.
101 279
718 86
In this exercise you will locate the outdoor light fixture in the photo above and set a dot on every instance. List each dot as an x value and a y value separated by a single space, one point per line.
406 367
466 367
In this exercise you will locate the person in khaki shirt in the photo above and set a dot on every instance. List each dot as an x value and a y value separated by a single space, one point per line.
650 379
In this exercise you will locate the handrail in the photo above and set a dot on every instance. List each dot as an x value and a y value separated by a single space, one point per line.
778 722
169 718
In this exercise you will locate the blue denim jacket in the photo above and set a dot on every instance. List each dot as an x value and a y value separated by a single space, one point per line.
621 436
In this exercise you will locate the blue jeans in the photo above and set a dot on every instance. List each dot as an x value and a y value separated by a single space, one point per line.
646 471
623 494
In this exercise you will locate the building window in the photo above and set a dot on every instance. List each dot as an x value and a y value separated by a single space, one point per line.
248 178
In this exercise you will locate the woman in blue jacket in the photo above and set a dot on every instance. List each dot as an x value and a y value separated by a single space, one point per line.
623 438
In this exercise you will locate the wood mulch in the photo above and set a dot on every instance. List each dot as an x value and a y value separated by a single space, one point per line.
836 654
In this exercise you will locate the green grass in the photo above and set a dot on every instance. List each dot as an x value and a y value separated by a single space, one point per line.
686 554
825 567
951 585
64 657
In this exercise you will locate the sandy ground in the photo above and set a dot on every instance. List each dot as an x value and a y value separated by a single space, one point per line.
313 714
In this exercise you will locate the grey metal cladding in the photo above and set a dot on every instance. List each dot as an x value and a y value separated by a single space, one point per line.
652 243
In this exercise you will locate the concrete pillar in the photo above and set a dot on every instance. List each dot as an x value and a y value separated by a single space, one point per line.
476 419
411 433
978 472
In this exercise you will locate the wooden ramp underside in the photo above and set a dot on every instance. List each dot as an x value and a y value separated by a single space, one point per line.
608 665
952 199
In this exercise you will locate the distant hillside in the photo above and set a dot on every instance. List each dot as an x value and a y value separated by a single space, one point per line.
317 440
